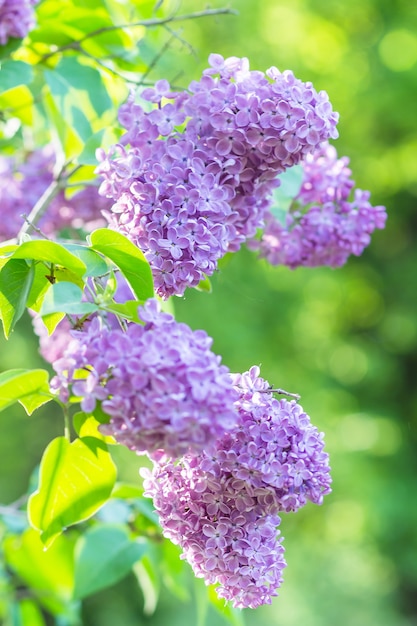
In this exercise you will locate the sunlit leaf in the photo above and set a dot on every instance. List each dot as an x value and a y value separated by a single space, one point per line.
28 387
204 285
94 262
128 310
30 613
66 298
128 258
104 555
86 425
16 278
75 480
50 252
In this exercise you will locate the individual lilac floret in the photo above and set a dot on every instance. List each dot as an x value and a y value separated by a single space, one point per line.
17 18
192 177
325 225
222 529
22 185
160 384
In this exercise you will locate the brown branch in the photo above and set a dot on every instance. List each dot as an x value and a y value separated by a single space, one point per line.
150 23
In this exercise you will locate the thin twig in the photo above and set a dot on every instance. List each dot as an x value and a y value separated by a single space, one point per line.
282 392
33 226
150 23
40 207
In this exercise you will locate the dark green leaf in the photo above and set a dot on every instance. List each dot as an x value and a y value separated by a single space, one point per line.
104 555
128 258
28 387
9 47
75 480
16 278
14 73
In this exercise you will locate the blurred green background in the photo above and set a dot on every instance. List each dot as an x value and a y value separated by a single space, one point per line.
344 339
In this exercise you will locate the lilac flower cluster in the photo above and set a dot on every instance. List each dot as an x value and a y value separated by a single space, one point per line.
222 528
222 506
21 187
17 18
191 178
160 383
324 226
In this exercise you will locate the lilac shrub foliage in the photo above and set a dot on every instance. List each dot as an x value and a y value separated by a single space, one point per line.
325 224
192 177
21 186
222 506
17 18
159 383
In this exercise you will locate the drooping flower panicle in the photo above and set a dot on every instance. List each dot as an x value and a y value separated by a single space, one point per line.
325 224
191 179
159 383
222 506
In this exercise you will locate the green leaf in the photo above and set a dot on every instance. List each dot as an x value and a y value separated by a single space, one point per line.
50 252
147 576
66 142
13 44
14 73
233 616
75 480
128 258
204 285
66 298
103 556
88 79
104 138
28 387
128 310
94 262
86 425
48 573
30 613
284 195
16 278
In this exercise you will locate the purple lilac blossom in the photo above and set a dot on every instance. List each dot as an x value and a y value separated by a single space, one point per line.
17 18
222 506
325 224
221 526
191 178
160 384
22 186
